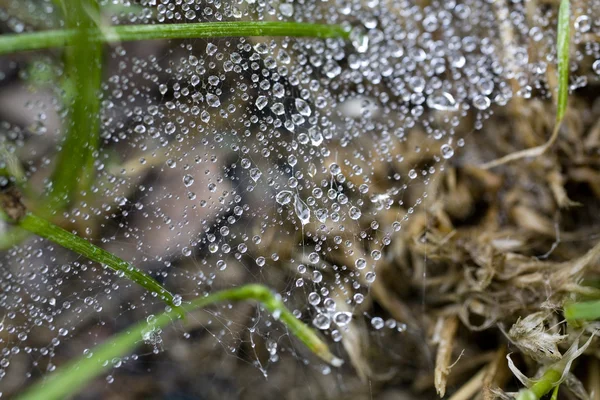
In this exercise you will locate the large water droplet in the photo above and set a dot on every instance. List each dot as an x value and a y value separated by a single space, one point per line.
354 213
261 102
303 107
213 100
286 9
322 321
188 180
481 102
447 151
442 101
302 210
342 318
284 197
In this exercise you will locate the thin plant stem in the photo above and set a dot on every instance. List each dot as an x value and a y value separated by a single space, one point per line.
41 227
562 53
12 43
69 379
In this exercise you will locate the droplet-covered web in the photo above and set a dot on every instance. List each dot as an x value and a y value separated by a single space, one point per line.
282 161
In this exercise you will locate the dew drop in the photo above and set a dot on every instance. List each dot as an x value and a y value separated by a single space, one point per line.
188 180
303 107
284 197
213 100
447 151
261 102
302 210
442 101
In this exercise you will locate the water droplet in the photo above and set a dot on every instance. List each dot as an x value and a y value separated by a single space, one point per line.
360 263
359 39
303 107
596 67
481 102
447 151
286 9
261 102
442 101
314 298
342 318
377 323
284 197
188 180
354 213
322 321
302 210
211 49
213 100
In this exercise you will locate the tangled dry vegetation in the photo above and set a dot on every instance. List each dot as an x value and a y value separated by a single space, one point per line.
484 265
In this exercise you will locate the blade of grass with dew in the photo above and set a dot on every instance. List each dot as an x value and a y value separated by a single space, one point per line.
562 54
12 43
58 235
70 378
83 69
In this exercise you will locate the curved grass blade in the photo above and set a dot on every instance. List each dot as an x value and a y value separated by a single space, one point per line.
58 235
69 379
562 54
12 43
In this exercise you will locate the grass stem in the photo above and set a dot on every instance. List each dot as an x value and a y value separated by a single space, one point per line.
562 55
69 379
43 228
12 43
547 382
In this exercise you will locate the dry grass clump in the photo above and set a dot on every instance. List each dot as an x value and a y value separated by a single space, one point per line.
483 266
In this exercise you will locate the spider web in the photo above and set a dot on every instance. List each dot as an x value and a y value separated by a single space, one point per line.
289 162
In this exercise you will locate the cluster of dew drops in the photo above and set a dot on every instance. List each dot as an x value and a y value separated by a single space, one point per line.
275 142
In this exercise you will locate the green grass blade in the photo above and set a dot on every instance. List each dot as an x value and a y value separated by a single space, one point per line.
69 379
12 237
562 53
582 311
547 382
41 227
555 393
83 69
12 43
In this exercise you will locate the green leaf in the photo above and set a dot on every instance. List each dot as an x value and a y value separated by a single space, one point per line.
562 52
